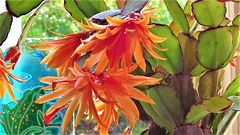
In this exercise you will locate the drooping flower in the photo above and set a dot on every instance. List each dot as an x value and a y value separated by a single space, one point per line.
76 91
61 51
115 89
12 55
5 84
118 42
119 87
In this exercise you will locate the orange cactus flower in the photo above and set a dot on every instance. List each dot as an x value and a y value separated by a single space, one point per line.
115 89
119 87
108 115
5 84
119 41
61 51
76 90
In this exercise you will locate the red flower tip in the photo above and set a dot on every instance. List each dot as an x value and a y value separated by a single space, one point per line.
47 118
13 55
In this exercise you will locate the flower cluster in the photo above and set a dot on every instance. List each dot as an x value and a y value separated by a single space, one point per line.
104 85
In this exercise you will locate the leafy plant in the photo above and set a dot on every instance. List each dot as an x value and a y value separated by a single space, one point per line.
190 62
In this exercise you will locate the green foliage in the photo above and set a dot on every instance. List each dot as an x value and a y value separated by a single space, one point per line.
209 12
168 106
214 47
188 45
210 83
5 25
178 15
233 88
174 62
236 21
21 7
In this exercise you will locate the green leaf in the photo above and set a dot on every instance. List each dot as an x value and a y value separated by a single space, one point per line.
90 7
210 83
196 113
174 62
214 47
236 20
167 106
209 12
227 121
225 22
198 70
236 105
74 11
236 34
188 45
21 7
5 25
133 6
187 130
216 119
233 88
177 14
156 117
217 104
187 7
184 88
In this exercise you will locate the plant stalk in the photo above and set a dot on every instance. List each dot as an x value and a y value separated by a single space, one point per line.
28 25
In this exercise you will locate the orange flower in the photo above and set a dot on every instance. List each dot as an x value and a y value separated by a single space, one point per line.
119 87
115 89
77 91
109 114
5 84
119 41
62 50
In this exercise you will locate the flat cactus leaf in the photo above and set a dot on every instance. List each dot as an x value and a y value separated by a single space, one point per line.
21 7
184 88
5 24
235 31
188 130
210 83
156 117
236 21
209 12
187 7
196 113
214 47
198 70
177 14
176 29
168 105
233 88
188 45
73 10
174 62
217 104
